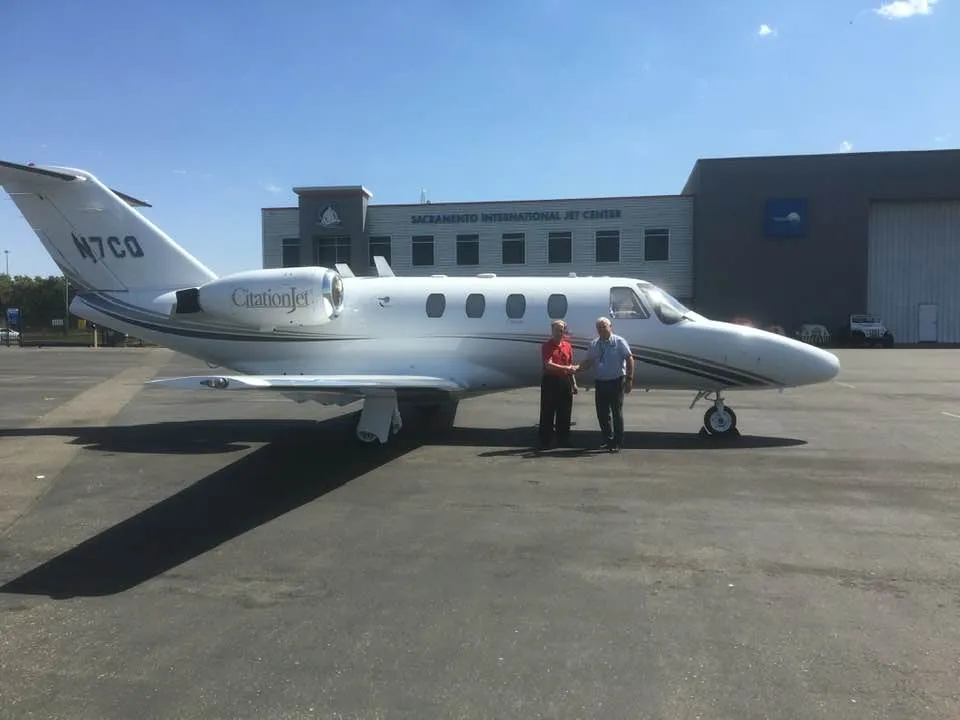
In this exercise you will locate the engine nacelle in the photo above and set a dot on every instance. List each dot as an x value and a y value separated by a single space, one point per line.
272 298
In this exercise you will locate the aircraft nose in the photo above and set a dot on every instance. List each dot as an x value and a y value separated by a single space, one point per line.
821 366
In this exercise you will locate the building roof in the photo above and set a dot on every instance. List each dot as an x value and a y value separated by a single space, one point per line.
926 152
315 190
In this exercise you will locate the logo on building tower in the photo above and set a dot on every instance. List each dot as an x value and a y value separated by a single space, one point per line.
328 216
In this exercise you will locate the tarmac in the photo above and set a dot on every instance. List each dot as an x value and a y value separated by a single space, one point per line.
168 554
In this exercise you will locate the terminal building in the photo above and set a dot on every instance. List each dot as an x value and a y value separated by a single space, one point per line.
777 240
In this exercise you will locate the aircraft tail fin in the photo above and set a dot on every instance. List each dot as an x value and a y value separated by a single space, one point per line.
96 235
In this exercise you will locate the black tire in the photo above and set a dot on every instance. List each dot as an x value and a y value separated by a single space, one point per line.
720 425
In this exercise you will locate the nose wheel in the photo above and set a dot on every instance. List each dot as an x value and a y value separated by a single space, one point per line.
719 421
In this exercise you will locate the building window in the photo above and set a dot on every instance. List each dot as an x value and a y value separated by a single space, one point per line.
476 304
468 249
516 306
625 303
379 245
514 250
560 247
656 245
436 304
421 251
290 253
331 249
608 246
557 307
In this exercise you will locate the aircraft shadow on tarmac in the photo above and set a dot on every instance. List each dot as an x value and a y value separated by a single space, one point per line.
199 437
263 485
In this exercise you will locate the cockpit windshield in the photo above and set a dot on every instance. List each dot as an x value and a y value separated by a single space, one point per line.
668 308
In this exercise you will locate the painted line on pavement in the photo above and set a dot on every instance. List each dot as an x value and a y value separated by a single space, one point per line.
31 463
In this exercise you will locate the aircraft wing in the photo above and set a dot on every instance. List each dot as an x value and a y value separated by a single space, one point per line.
347 384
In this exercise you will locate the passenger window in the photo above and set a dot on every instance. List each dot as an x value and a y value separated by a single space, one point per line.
476 304
557 307
436 304
516 306
626 304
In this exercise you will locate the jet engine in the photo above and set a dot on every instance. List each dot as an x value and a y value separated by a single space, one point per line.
274 298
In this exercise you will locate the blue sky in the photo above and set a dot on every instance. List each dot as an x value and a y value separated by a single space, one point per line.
211 109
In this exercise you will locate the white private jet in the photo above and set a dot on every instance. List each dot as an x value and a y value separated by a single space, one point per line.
315 333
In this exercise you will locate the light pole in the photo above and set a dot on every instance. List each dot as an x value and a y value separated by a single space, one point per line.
66 304
6 255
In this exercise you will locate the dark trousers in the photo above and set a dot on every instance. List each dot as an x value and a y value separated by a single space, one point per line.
556 406
608 396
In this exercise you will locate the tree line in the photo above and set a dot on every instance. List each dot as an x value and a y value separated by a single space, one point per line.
41 300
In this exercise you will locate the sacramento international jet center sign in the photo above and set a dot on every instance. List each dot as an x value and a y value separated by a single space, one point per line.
508 217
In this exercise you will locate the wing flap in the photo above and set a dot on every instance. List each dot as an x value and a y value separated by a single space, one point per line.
362 384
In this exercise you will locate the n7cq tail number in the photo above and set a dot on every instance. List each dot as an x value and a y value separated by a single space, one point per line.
95 247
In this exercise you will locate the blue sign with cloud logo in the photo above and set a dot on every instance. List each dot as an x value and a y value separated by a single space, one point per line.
786 217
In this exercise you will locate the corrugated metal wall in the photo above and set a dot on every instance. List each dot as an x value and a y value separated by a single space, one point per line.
275 225
914 260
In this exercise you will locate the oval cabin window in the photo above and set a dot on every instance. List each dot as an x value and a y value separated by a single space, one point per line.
476 304
436 304
516 306
557 307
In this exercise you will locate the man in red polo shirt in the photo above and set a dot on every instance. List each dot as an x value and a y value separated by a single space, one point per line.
556 387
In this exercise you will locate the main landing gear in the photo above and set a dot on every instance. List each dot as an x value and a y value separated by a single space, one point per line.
380 418
719 421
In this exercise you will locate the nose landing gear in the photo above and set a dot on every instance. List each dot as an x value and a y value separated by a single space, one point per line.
719 421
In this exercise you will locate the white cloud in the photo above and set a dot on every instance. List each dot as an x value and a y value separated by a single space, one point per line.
902 9
271 188
846 146
766 30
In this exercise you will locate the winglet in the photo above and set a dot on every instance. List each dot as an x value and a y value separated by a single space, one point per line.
383 267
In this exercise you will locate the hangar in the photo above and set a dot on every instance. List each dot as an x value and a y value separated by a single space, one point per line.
781 240
816 238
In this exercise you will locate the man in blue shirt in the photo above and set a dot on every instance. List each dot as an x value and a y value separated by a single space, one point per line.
611 355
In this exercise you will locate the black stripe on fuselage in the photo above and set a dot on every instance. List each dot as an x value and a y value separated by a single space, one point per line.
678 362
674 361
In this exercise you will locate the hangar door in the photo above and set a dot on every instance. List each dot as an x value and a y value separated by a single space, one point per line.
913 271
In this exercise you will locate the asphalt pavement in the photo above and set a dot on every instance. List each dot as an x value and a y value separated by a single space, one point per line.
195 554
